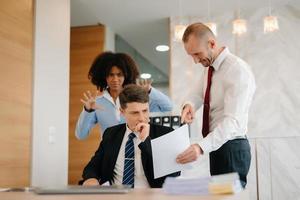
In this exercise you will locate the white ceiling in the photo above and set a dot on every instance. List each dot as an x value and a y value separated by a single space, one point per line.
144 23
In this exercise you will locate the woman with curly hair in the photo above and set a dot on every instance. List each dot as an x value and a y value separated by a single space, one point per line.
110 72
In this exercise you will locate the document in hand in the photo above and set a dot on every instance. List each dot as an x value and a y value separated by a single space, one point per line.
166 148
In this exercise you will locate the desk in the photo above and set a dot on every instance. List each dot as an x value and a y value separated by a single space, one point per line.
136 194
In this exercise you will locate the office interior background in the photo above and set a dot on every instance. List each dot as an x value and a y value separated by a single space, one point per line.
47 48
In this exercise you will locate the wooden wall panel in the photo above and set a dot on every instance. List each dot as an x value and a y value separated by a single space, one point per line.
16 43
86 43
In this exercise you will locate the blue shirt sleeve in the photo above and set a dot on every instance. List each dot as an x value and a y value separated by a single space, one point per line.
159 102
84 124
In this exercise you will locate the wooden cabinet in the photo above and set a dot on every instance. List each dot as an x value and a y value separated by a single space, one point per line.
86 43
16 42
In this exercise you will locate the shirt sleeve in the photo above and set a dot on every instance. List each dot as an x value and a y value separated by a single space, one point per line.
92 169
240 87
86 121
195 95
159 102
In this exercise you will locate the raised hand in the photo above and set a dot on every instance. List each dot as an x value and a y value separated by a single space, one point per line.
145 83
89 100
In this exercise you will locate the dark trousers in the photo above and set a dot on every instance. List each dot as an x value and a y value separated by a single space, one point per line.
233 156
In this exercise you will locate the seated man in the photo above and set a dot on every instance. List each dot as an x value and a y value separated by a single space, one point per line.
124 155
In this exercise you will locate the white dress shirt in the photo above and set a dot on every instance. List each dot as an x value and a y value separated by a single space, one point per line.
140 180
232 90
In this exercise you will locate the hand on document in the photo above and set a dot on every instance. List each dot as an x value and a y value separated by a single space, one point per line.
193 151
165 150
190 154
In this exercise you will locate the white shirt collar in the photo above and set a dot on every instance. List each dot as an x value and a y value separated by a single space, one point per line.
109 97
221 57
128 131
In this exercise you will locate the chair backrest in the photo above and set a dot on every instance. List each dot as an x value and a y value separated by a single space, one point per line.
166 120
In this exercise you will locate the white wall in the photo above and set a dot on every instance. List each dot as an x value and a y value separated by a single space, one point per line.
109 43
51 93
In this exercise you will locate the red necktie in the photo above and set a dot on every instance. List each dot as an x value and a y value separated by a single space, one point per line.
206 108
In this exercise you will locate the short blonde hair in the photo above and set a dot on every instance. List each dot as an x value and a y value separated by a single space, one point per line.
199 29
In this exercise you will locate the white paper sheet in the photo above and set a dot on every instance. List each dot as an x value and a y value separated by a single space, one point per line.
166 148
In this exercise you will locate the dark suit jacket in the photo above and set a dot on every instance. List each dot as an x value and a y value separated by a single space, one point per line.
102 164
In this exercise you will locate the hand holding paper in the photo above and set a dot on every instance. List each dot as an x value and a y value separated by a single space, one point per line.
166 148
190 154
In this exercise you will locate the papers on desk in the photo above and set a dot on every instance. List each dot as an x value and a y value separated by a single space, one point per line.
220 184
186 186
166 148
225 184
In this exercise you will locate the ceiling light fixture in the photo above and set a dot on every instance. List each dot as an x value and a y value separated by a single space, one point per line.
179 31
212 26
270 22
239 25
162 48
145 76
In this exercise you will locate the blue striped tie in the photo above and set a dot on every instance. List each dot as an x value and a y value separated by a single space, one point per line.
128 174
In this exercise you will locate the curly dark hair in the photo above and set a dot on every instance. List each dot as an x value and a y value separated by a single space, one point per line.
105 61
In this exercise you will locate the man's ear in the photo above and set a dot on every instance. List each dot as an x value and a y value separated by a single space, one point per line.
212 43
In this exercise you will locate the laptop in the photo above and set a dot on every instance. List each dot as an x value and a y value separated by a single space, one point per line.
77 189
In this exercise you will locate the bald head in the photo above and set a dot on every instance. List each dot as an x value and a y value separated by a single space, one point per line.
199 30
200 43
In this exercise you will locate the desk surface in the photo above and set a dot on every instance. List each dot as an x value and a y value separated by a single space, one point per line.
136 194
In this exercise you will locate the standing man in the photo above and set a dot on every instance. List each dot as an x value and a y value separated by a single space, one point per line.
226 93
